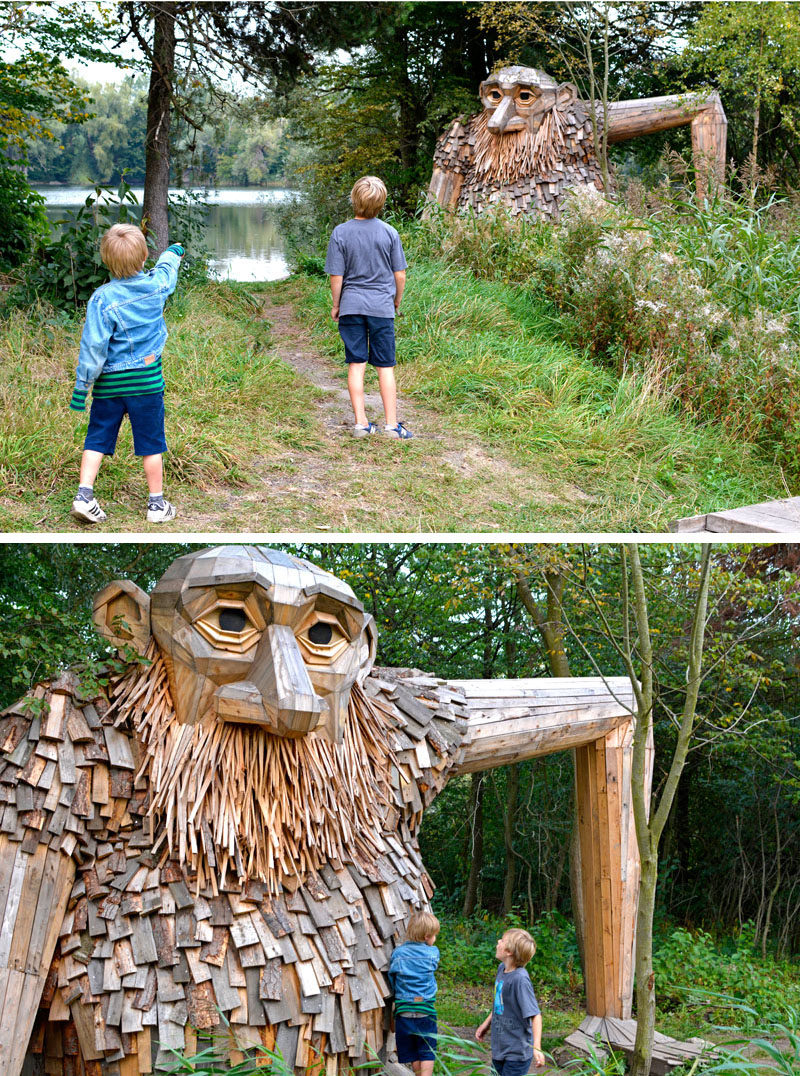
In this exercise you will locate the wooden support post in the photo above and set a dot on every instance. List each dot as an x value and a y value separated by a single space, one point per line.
609 869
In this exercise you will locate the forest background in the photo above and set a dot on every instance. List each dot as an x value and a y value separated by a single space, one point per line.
498 844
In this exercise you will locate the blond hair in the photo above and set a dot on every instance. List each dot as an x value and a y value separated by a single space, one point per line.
520 945
123 249
421 925
367 196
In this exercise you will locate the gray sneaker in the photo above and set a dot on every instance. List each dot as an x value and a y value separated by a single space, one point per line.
399 432
162 515
364 431
87 511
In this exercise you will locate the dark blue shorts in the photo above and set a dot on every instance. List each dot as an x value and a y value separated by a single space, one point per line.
147 422
511 1067
416 1038
367 339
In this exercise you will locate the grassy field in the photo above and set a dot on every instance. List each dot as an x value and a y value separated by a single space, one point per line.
516 432
486 357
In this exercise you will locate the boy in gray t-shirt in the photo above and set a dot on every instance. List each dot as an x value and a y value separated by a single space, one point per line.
367 267
515 1019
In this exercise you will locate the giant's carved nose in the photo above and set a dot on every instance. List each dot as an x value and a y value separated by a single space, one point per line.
279 694
502 115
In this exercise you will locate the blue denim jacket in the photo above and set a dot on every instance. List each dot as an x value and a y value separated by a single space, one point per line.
125 322
411 971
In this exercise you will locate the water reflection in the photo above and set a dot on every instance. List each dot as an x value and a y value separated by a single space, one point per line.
241 233
245 243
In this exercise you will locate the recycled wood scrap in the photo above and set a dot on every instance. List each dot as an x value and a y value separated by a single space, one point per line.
142 928
528 172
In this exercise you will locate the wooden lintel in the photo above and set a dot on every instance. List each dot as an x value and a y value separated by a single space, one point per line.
511 720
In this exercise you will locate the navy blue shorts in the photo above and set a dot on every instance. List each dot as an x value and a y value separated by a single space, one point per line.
511 1067
367 339
416 1038
147 422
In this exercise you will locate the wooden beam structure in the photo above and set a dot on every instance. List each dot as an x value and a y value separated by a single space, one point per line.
511 720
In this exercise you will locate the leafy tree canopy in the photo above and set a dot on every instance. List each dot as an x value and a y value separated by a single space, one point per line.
35 88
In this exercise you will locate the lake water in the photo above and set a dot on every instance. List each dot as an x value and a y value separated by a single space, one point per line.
241 228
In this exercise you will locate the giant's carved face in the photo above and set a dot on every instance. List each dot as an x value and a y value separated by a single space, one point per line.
250 635
517 98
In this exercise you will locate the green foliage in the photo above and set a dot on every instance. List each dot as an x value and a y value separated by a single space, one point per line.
750 52
692 962
22 217
97 150
468 952
35 88
699 302
68 270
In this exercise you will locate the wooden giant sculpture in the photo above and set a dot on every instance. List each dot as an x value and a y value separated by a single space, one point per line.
232 826
533 142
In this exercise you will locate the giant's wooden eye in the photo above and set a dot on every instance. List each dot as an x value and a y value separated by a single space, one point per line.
323 641
321 634
229 626
232 620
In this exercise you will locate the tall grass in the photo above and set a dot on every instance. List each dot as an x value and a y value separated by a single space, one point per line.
699 302
228 402
485 355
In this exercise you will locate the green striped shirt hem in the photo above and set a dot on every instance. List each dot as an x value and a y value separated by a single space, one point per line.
139 382
406 1005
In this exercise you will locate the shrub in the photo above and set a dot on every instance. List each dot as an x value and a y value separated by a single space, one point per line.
691 962
22 217
701 300
468 947
65 271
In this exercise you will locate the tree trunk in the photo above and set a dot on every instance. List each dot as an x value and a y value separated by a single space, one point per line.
645 976
650 824
472 894
553 631
157 138
509 825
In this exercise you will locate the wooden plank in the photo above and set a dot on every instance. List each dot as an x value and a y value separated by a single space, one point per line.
12 905
769 517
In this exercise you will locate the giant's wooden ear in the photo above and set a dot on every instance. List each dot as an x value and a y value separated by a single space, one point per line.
369 639
121 614
566 93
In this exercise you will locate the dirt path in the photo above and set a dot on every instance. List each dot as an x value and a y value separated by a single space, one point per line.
446 479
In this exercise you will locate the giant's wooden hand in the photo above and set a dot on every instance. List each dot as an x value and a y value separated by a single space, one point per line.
234 825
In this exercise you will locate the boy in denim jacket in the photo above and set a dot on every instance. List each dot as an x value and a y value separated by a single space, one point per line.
411 974
120 358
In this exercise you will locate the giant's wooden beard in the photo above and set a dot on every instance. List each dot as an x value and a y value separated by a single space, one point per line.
227 797
501 159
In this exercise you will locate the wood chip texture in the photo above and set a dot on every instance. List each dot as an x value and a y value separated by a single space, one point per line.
526 172
165 923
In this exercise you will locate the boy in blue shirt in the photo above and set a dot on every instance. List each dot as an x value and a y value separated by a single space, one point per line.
411 974
120 359
515 1019
367 268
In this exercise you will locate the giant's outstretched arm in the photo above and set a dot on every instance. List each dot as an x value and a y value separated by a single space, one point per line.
629 119
512 720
